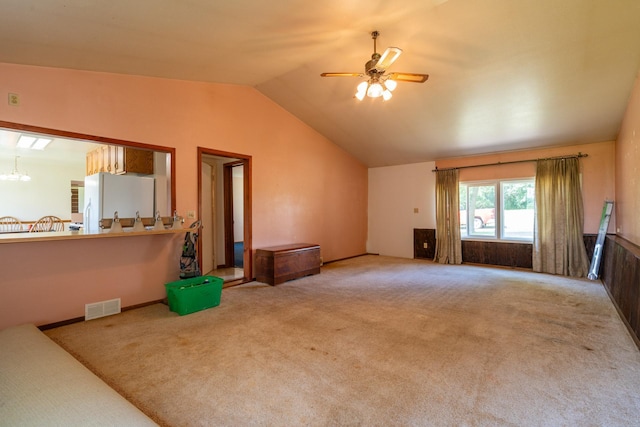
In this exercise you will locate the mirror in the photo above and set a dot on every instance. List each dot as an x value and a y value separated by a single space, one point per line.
50 180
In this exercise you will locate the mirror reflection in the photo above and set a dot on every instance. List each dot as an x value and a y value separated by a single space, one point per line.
78 181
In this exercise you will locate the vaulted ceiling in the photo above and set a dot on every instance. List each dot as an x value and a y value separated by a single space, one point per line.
504 74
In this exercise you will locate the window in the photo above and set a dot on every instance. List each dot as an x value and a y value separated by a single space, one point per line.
500 210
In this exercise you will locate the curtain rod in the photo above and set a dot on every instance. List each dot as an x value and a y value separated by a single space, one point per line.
572 156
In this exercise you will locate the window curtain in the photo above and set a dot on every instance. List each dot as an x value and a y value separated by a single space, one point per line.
448 245
558 243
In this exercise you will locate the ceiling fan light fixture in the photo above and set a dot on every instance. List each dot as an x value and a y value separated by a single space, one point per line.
379 83
391 84
361 90
375 90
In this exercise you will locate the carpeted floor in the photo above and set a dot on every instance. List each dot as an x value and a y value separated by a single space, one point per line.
377 341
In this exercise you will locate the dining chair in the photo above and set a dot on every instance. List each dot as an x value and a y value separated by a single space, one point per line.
10 223
47 223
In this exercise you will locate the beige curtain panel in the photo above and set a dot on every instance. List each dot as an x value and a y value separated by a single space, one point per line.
558 243
448 245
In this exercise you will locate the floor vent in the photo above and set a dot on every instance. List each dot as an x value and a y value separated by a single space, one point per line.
101 309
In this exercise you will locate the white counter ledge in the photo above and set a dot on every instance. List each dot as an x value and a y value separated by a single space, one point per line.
77 235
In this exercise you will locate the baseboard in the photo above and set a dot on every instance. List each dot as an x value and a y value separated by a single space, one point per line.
349 257
61 323
81 319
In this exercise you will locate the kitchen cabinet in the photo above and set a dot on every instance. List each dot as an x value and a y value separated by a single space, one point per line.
119 160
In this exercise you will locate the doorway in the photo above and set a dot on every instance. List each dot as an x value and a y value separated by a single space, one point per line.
224 203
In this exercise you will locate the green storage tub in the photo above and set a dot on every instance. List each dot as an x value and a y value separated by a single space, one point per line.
194 294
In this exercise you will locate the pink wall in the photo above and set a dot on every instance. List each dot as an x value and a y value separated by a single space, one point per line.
627 206
597 170
305 189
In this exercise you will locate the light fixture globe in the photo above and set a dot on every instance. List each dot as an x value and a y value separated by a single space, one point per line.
375 90
361 90
391 84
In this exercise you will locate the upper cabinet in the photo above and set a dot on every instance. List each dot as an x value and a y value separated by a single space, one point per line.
119 160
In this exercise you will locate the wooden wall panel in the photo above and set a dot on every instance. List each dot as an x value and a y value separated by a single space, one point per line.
590 245
420 237
620 273
510 254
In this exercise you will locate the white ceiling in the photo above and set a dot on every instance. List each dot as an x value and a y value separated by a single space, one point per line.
504 74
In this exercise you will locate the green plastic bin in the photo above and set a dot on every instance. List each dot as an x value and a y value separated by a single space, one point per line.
194 294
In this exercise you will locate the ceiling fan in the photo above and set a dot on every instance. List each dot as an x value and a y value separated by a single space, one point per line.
380 83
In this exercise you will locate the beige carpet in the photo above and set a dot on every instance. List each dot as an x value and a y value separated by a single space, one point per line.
377 341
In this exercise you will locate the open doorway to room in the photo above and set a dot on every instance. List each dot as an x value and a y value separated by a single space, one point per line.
224 201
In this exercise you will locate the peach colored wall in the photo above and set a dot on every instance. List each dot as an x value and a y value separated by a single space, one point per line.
598 173
627 204
305 188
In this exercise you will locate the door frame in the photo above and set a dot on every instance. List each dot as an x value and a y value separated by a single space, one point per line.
229 240
245 160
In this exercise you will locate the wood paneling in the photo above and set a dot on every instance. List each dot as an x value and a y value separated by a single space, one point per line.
424 237
620 273
590 244
510 254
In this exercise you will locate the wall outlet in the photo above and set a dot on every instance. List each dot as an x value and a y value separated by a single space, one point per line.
425 245
14 99
191 214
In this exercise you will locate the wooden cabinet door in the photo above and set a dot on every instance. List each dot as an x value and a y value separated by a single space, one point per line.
102 153
138 161
118 160
89 166
94 162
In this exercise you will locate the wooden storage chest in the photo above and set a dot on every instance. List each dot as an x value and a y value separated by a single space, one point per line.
278 264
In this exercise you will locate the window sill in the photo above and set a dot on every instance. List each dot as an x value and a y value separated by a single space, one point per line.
489 240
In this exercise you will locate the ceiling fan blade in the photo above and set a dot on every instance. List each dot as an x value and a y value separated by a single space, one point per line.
342 75
388 57
409 77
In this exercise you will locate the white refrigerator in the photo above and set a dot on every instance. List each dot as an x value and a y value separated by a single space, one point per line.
105 194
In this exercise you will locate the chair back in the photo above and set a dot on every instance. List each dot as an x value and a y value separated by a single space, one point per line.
9 223
47 223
